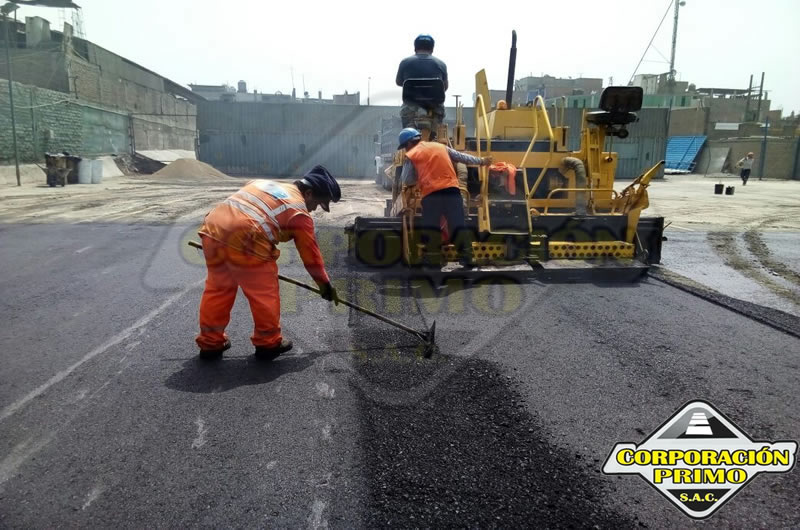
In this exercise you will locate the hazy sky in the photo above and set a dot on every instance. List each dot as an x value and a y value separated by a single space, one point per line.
338 45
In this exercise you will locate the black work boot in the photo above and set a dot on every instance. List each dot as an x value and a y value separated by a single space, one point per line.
268 354
216 353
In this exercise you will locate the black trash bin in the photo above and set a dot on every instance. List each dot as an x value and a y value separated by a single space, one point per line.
56 169
72 166
61 168
718 189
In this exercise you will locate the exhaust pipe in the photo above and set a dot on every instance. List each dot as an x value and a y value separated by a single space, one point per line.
512 64
575 164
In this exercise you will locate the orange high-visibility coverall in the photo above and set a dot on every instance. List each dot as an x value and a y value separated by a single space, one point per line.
240 238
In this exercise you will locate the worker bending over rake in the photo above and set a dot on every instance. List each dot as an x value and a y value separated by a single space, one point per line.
240 244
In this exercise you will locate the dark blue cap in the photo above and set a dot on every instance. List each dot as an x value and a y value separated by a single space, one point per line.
323 185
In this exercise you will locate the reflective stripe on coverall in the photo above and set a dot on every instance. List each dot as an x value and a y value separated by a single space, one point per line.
240 238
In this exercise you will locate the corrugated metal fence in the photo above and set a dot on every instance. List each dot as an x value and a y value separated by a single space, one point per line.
288 139
646 145
274 139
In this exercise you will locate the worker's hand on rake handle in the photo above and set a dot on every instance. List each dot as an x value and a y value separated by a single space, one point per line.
328 292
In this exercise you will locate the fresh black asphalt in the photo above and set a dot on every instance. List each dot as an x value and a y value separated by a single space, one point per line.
108 419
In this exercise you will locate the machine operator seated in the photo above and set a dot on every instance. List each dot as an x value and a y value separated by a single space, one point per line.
424 81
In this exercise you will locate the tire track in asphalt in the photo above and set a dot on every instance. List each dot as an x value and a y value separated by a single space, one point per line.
724 244
757 247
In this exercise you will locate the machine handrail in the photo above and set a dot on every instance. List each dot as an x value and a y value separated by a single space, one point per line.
543 109
533 138
536 102
481 106
552 141
615 195
482 170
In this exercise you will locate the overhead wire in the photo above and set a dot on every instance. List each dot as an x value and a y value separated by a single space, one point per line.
666 12
661 54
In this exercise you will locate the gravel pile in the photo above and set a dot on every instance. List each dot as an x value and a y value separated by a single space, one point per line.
186 169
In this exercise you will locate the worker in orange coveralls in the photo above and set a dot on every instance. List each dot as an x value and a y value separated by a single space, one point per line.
240 238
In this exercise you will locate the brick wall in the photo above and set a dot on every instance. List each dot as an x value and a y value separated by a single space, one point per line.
160 121
733 110
690 121
37 67
84 79
52 125
152 134
51 121
780 158
170 124
93 75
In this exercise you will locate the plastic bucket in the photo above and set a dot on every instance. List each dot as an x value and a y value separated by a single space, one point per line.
729 190
85 172
97 171
718 189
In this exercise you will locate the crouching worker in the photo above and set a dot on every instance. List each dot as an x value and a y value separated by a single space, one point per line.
240 243
429 165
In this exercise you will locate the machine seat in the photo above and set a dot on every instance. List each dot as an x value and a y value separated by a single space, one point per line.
602 117
427 93
618 105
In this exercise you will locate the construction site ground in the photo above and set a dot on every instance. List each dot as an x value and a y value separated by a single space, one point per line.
108 418
745 246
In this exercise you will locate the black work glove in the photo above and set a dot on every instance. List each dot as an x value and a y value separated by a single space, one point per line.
328 292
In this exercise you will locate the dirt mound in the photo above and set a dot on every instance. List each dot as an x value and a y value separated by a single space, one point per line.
187 169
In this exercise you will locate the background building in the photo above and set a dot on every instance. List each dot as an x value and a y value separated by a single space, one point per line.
547 86
240 94
71 94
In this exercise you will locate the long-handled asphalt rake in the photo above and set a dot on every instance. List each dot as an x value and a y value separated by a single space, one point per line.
427 337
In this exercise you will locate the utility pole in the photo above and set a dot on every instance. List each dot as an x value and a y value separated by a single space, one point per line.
11 7
369 79
760 93
8 8
747 104
762 159
671 77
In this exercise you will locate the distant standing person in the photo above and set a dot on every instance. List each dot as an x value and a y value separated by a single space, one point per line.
746 164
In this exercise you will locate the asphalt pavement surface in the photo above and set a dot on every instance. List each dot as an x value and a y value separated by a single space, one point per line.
107 418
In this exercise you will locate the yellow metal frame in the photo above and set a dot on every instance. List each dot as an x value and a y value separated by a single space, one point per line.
515 123
590 249
483 171
591 201
539 108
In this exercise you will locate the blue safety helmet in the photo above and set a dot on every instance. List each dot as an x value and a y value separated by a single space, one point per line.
323 186
408 134
424 42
